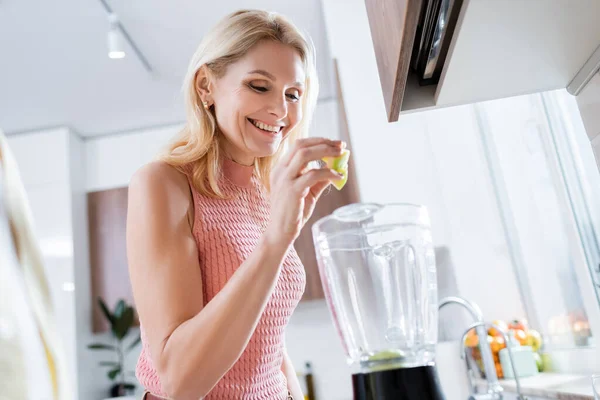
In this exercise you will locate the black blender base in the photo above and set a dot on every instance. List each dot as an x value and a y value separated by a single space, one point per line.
418 383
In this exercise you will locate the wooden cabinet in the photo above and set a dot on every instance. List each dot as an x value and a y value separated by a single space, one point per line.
496 49
393 26
107 213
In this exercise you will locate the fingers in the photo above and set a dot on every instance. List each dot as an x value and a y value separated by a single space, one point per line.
309 142
312 196
305 155
318 189
317 179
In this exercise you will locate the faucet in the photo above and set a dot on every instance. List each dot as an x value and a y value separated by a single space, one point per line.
463 352
494 390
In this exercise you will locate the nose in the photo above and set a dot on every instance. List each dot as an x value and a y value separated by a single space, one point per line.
278 106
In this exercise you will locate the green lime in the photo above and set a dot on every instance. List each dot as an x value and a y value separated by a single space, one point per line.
386 355
339 164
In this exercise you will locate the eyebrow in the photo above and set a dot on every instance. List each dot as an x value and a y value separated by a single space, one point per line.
270 76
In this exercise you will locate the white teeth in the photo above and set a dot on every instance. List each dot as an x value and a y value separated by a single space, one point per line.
266 127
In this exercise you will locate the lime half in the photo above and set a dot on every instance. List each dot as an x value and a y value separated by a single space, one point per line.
339 164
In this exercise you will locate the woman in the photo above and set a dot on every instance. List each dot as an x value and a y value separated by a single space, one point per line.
211 226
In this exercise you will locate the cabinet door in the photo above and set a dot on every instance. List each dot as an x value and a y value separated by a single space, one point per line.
393 26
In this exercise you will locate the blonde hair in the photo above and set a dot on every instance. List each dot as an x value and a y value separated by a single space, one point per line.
24 286
198 142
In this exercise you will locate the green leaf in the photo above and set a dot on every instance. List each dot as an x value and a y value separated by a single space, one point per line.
112 374
133 344
120 308
101 346
123 323
108 363
105 310
129 386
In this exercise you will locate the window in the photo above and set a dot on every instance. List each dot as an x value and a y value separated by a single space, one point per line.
544 184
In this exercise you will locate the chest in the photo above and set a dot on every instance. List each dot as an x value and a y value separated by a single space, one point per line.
228 230
234 225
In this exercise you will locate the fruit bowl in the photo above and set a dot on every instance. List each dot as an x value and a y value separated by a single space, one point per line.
521 336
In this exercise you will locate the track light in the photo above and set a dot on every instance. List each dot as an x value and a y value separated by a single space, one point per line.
116 49
117 36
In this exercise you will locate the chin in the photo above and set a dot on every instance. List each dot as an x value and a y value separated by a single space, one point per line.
266 151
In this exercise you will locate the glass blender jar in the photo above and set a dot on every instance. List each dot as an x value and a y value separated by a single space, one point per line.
377 266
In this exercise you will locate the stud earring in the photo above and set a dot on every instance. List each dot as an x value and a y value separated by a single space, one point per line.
205 104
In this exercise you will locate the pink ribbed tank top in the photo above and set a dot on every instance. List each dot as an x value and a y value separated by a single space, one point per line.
227 231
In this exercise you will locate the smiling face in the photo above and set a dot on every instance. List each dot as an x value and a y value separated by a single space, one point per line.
257 101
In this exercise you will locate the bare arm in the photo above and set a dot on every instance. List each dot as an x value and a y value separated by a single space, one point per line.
185 336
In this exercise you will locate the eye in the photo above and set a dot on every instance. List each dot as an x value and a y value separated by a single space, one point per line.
293 96
260 89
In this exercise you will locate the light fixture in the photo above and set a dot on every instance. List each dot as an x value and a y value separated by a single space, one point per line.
116 49
117 36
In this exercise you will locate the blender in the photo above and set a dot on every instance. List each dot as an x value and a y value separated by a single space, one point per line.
377 267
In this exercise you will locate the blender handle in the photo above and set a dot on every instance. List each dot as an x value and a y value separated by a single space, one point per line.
463 352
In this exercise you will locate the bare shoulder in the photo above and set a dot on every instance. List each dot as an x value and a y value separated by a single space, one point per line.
158 174
161 177
162 184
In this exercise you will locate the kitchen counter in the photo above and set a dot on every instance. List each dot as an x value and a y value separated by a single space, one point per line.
549 386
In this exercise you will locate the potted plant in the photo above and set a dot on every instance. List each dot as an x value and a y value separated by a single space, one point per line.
121 320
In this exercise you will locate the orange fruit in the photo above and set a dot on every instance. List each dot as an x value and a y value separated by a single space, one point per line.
521 336
497 344
518 324
501 324
472 340
499 371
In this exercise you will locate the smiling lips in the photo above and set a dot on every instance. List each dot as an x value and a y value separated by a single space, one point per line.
265 127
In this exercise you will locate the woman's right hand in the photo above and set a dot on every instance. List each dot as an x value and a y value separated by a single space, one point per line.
295 190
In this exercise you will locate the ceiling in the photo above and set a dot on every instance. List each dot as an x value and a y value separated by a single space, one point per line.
54 68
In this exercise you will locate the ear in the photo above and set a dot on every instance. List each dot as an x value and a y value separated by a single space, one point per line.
203 84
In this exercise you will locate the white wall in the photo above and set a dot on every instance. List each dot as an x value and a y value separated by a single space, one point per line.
92 378
112 160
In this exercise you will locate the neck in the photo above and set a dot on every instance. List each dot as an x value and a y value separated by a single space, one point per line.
247 161
235 155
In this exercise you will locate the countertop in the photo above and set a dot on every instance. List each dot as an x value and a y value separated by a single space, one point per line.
550 385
